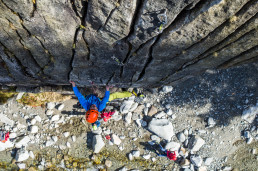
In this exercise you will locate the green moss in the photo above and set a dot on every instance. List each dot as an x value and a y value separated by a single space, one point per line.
6 94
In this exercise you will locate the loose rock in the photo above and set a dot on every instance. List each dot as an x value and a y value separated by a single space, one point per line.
195 143
196 160
161 127
97 143
115 139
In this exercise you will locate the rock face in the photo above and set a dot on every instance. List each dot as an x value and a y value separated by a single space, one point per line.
124 43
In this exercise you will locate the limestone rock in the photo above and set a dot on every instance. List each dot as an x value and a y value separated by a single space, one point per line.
97 143
181 137
172 146
196 160
23 142
128 118
60 107
7 144
21 155
51 105
250 113
195 143
115 139
125 107
161 127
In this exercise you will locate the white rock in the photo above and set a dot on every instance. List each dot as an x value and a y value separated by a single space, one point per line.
128 118
54 138
34 129
121 148
145 111
186 132
133 107
33 121
181 137
195 143
160 115
211 122
50 143
147 156
12 135
31 154
115 139
136 153
21 165
98 131
138 122
250 113
155 138
19 96
6 120
172 146
66 134
208 161
38 118
249 140
227 168
62 147
23 142
97 143
116 117
7 144
153 159
49 112
55 118
130 156
169 112
73 138
51 105
21 155
161 127
173 116
68 145
125 107
60 107
196 160
167 89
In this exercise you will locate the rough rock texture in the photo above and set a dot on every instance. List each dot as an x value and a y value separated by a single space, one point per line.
125 43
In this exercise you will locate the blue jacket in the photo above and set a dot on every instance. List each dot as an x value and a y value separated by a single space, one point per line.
91 99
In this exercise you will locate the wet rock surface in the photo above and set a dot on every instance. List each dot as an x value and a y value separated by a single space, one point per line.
126 43
227 141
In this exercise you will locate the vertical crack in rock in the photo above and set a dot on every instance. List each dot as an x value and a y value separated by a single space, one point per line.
112 76
141 75
109 16
82 26
74 8
136 16
34 8
126 59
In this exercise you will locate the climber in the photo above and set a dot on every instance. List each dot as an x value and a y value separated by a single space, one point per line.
166 153
92 104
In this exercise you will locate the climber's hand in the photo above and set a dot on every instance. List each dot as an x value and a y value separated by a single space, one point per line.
108 87
73 83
